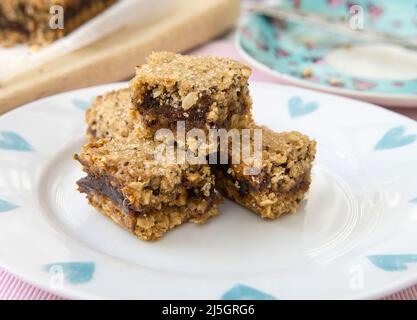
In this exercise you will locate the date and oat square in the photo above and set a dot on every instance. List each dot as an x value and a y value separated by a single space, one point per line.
203 91
285 170
126 182
28 21
281 181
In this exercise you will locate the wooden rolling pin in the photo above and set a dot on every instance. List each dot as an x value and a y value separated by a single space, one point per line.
114 58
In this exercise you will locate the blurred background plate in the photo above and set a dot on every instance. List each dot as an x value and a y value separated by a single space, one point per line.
314 58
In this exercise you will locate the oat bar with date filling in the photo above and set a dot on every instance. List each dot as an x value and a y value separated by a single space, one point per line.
113 115
283 180
127 184
204 92
28 21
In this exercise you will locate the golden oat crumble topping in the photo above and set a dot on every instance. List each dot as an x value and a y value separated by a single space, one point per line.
112 115
189 73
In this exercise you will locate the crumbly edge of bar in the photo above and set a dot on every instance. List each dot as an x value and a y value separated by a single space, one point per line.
113 116
143 199
286 157
188 73
9 38
34 29
268 205
226 109
202 91
144 182
152 226
284 178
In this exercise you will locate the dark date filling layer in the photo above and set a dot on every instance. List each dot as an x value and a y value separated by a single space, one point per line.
246 188
159 113
12 26
167 116
102 186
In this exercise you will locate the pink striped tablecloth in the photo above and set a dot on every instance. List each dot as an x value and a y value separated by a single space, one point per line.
12 287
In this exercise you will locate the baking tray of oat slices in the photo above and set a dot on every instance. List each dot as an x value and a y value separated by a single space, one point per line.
111 53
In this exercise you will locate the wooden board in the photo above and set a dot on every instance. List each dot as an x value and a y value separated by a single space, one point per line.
114 58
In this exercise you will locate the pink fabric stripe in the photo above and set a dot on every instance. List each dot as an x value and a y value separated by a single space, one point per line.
12 288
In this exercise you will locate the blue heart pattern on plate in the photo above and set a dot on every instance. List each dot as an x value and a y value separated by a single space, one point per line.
12 141
242 292
395 138
74 272
7 206
81 104
393 262
298 108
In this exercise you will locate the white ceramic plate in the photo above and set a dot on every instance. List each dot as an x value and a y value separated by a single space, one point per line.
355 236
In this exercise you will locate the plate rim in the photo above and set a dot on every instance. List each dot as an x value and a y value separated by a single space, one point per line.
69 292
